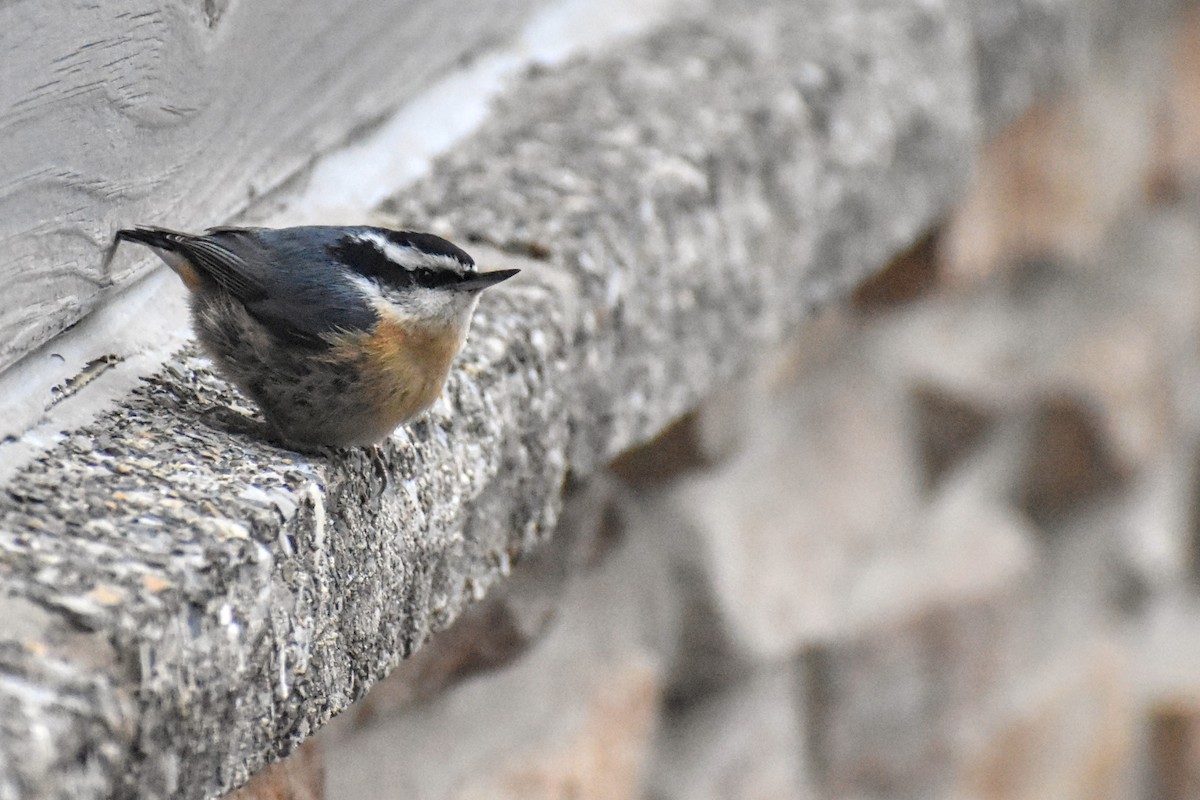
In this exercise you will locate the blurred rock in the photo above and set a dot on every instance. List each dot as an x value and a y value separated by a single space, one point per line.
745 742
891 712
300 776
948 428
603 759
1175 750
1052 184
1119 341
822 473
828 487
908 276
675 452
1177 157
1070 737
1069 461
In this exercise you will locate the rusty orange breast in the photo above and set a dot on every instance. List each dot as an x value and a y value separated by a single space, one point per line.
402 366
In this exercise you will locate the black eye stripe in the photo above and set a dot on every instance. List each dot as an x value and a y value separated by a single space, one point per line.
366 259
433 278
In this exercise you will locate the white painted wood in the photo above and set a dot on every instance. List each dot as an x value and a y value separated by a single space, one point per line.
180 113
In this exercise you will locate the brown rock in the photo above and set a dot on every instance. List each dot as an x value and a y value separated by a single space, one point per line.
907 277
1071 741
949 427
1069 460
1175 750
890 711
1053 182
300 776
1177 156
602 759
677 451
745 742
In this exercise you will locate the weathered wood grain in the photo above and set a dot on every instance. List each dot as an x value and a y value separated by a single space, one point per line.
179 113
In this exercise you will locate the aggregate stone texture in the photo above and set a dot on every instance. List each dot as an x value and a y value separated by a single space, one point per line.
184 602
741 743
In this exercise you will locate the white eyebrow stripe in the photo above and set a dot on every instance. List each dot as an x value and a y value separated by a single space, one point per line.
409 257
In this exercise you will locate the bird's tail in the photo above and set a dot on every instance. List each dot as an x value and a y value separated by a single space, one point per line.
160 238
171 246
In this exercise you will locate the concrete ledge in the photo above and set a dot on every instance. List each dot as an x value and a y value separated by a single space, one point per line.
184 603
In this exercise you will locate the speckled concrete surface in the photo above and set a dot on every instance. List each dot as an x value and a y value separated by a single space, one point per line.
182 602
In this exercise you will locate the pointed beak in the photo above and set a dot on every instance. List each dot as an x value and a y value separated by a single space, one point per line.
485 279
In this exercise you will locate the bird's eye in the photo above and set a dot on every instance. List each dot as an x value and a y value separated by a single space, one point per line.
429 278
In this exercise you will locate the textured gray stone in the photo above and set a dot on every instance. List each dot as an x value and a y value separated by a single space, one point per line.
184 602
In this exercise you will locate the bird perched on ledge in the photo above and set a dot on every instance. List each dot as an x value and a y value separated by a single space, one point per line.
339 334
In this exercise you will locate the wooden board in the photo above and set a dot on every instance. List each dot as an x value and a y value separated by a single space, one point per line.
180 113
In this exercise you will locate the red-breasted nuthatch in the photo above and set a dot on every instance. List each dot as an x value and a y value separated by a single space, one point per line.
339 334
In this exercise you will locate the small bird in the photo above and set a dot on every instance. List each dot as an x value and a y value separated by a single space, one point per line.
339 334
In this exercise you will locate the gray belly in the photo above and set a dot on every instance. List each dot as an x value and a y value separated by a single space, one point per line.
307 400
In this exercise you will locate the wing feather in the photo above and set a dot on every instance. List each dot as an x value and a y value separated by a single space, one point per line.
212 259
